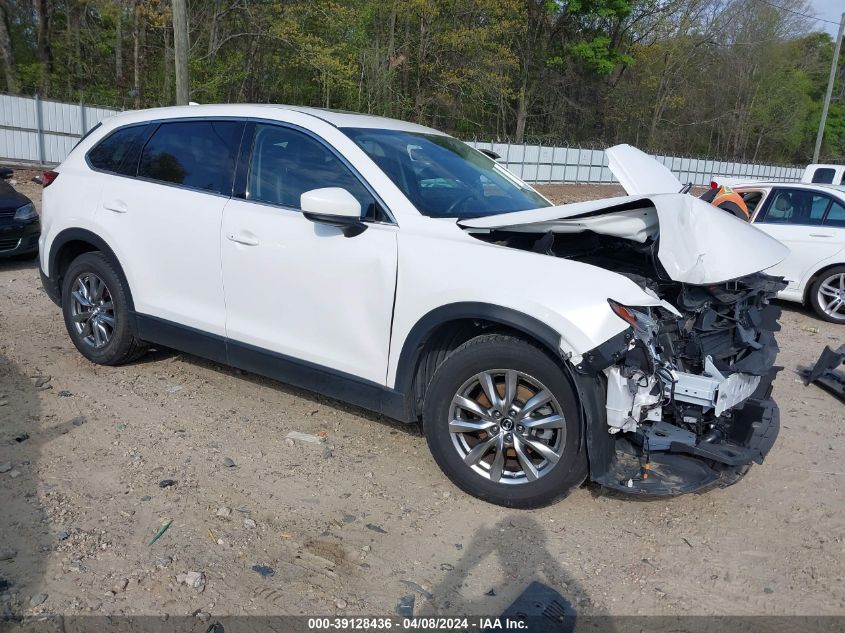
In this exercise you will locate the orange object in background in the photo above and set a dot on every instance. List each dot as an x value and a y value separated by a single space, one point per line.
726 198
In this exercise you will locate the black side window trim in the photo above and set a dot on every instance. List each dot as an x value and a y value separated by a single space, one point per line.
87 134
246 157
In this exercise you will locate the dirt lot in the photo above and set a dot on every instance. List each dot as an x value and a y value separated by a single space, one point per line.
353 525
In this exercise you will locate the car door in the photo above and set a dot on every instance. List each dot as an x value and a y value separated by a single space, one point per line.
297 290
166 220
794 217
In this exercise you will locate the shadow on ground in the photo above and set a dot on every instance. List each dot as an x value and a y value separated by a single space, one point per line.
24 561
498 565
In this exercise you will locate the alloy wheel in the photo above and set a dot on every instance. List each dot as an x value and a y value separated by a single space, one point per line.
507 426
831 296
92 310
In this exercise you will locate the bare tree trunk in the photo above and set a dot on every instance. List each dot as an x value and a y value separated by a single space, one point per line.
118 44
167 91
406 47
9 70
419 100
137 35
521 111
45 52
212 31
73 10
180 46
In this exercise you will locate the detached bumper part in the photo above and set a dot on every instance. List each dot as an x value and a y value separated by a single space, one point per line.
825 373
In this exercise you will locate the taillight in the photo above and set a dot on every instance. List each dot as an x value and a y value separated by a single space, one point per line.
714 184
48 177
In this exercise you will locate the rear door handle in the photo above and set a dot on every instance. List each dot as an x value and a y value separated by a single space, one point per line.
118 206
239 238
820 235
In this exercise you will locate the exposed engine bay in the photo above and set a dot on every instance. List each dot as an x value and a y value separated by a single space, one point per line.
687 385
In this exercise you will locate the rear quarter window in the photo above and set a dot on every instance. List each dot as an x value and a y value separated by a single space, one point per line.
112 152
835 215
824 175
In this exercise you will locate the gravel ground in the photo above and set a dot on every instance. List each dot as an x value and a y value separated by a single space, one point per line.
353 524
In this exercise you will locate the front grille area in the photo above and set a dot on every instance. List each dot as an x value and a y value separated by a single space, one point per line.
7 245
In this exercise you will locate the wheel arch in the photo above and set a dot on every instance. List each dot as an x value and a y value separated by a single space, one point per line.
69 244
443 329
815 275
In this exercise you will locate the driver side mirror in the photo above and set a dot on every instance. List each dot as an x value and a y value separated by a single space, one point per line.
334 206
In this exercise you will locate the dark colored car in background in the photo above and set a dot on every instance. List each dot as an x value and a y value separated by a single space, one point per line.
20 226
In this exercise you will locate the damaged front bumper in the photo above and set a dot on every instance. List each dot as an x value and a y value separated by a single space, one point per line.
685 400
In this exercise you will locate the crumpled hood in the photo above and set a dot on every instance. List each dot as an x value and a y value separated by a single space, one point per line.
697 243
640 173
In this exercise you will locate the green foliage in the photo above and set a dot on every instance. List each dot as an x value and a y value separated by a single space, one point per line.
728 78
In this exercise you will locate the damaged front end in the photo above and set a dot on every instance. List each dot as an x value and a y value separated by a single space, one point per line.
688 393
685 390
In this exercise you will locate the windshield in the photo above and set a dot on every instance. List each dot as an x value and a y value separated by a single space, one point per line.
444 177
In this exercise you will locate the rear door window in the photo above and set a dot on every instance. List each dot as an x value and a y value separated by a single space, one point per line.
195 154
795 206
113 152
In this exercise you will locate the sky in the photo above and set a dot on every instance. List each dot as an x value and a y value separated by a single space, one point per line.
829 10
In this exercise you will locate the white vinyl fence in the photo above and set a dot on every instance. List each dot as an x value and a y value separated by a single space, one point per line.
549 164
42 132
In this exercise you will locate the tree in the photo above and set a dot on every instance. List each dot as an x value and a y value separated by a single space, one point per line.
9 71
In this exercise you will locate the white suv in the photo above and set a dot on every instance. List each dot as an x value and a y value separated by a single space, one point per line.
394 267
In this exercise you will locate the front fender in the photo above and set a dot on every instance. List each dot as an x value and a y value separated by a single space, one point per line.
428 324
566 301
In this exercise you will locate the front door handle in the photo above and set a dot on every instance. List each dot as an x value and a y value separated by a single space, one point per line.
239 238
820 235
118 206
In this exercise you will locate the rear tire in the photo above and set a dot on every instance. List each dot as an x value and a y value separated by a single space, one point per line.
827 295
506 449
95 304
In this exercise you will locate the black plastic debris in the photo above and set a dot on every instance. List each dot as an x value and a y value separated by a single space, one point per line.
23 437
167 483
405 606
542 609
265 571
376 528
825 373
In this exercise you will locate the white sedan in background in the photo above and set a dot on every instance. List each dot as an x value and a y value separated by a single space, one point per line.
809 218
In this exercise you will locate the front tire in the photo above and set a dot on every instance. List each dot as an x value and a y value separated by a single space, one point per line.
503 423
95 304
827 295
